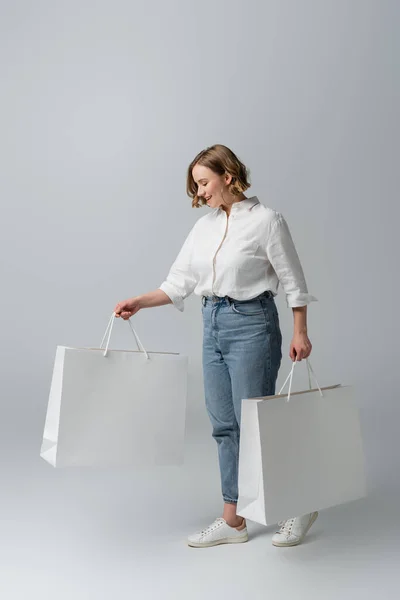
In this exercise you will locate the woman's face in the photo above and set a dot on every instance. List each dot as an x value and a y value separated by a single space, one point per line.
211 186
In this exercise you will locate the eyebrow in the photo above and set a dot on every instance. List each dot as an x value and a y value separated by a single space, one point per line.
202 179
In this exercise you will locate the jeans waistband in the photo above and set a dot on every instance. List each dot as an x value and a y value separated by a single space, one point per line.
228 299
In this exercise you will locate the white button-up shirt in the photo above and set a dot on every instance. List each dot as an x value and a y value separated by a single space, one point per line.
239 256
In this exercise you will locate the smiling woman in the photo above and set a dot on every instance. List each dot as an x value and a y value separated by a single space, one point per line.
235 257
204 173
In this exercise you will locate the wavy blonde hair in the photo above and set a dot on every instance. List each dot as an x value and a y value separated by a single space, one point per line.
221 160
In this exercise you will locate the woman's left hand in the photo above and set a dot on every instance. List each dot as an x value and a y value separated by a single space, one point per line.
300 347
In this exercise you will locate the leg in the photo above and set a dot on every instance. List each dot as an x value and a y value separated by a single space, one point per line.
218 394
252 349
219 404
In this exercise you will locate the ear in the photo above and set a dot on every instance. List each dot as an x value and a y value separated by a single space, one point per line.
228 178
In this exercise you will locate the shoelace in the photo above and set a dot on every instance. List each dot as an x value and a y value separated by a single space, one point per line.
211 527
286 526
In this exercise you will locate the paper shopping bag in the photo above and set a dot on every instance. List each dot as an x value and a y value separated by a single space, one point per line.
301 455
115 408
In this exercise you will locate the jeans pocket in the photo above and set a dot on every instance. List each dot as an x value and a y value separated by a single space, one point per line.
247 308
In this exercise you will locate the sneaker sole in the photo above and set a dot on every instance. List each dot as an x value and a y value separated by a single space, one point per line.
236 540
296 543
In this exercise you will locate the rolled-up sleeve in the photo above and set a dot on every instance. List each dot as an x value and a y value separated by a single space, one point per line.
181 280
285 261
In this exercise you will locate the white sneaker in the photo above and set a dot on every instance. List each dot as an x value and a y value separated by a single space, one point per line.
218 532
293 531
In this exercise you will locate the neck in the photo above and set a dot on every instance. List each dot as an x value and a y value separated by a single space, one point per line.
227 207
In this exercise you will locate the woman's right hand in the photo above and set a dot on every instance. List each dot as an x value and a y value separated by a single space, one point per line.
127 308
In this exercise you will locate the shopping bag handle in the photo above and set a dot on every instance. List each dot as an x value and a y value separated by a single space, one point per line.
108 333
290 376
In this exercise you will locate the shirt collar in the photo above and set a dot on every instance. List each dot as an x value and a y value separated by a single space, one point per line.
246 204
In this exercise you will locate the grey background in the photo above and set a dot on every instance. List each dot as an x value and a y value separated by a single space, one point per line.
103 106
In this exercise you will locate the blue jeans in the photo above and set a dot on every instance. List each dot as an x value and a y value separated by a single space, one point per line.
242 344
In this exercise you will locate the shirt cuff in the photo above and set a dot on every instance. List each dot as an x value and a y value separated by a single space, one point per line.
176 298
296 299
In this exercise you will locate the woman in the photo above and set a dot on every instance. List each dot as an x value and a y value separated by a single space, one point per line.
234 257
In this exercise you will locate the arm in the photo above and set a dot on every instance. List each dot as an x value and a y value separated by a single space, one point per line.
179 284
127 308
286 263
300 346
300 319
151 299
181 279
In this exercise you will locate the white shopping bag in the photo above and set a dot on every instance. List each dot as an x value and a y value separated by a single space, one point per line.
301 455
115 408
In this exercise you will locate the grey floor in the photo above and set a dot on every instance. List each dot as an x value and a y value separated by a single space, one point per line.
87 534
